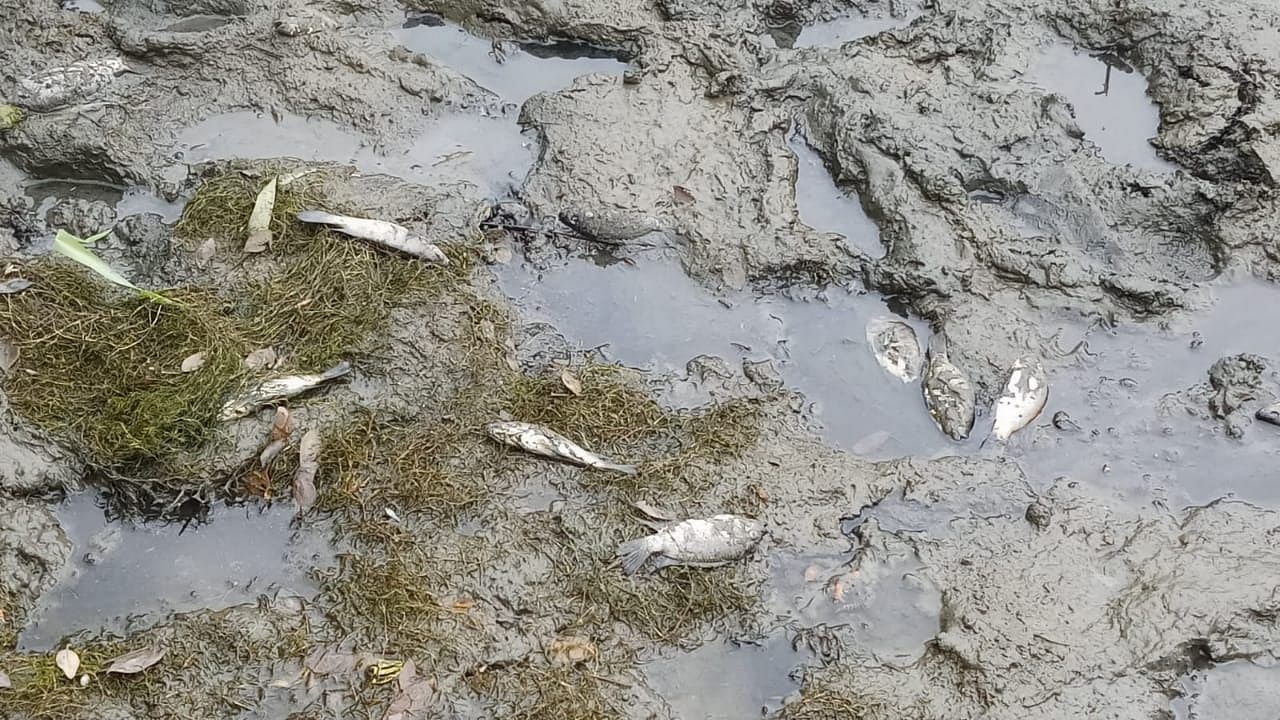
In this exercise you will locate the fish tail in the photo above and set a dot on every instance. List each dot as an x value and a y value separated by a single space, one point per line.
617 467
634 553
337 371
319 216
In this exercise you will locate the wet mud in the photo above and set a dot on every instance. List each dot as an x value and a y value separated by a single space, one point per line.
669 226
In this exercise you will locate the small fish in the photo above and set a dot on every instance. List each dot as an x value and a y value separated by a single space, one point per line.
1270 413
379 232
14 285
549 443
66 85
278 389
948 394
609 225
896 348
1023 398
700 542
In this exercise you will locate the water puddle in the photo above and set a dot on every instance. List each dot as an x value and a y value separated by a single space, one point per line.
84 6
490 153
834 33
885 609
1135 436
197 23
122 576
653 315
824 206
524 70
721 681
140 200
1238 690
1110 101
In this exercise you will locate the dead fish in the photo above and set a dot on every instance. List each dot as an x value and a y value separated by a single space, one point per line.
1270 413
14 285
948 394
549 443
379 232
1023 398
896 348
699 542
304 480
278 389
609 225
66 85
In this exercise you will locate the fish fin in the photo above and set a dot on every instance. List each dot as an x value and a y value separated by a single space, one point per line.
634 553
617 467
319 216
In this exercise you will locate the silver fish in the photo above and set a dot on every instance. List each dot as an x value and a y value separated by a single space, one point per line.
1270 413
278 389
1023 398
896 348
379 232
66 85
609 225
549 443
948 394
699 542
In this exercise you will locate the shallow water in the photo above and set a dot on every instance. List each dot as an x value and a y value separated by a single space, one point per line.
524 70
125 576
1110 102
724 681
823 205
1237 690
847 29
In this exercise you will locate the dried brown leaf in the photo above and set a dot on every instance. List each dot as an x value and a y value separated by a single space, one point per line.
571 650
304 480
5 683
280 425
136 661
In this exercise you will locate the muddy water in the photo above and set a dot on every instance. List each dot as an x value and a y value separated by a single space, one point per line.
1237 690
125 577
1110 101
847 29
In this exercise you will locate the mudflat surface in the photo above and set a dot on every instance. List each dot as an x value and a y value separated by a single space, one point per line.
670 225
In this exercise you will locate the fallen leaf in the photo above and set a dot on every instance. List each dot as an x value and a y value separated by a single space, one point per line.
681 195
193 362
260 359
259 226
392 514
84 680
68 662
8 354
258 483
571 650
413 696
811 573
571 382
463 603
206 251
136 661
5 683
280 425
64 243
304 480
270 452
14 285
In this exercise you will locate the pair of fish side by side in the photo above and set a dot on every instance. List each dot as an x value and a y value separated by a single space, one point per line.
697 542
379 232
546 442
280 388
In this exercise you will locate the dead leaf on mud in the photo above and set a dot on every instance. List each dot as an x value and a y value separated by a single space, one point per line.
327 661
681 195
413 695
8 354
280 425
14 285
304 480
571 650
258 483
206 251
136 661
193 362
571 382
68 662
5 683
259 225
463 603
260 359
